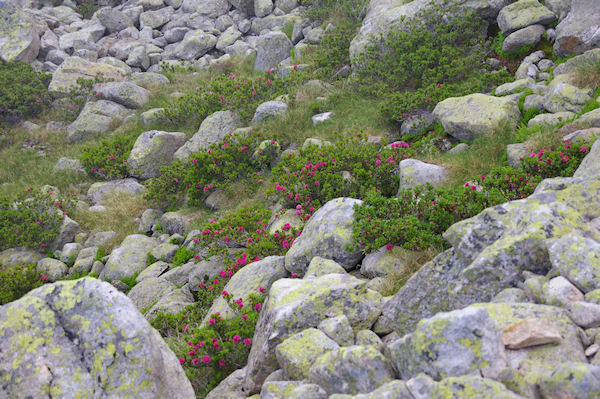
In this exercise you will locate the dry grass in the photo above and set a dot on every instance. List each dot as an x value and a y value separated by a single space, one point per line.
413 261
120 216
587 74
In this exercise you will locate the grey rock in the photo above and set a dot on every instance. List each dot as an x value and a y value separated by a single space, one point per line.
174 223
291 390
19 40
113 20
101 191
420 386
319 267
262 8
326 235
129 258
268 110
511 295
515 153
151 151
578 32
68 165
147 292
472 386
52 269
560 292
414 173
19 256
577 258
550 119
271 49
523 13
124 93
95 118
213 129
69 252
338 329
585 314
209 8
561 384
418 125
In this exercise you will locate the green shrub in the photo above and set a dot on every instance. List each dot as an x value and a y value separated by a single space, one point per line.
23 91
513 184
322 10
108 159
17 281
245 229
130 281
87 8
497 43
553 163
229 92
182 255
349 168
234 158
333 52
440 54
33 222
418 217
150 259
74 102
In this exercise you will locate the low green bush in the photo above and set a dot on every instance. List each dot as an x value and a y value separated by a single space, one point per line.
234 158
87 8
108 159
182 255
417 218
323 10
17 281
32 222
333 53
229 92
512 183
23 91
74 102
349 168
439 54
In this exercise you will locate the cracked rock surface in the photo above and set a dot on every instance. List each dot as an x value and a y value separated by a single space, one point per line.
84 339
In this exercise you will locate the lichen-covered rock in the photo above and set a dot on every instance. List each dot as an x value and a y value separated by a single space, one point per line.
69 252
563 96
291 390
194 45
511 295
148 80
578 32
383 262
65 78
19 40
85 260
53 269
327 234
66 232
295 305
268 110
351 369
124 93
472 116
491 250
320 266
297 353
113 19
149 291
230 387
129 258
338 328
262 8
95 118
451 344
209 8
154 270
212 129
585 314
155 19
514 87
165 251
271 49
288 218
68 165
174 222
471 387
523 13
560 292
529 36
249 280
414 173
151 151
19 256
572 380
577 258
85 339
550 119
530 332
99 192
174 302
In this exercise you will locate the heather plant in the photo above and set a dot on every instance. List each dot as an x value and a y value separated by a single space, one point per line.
17 281
349 168
417 218
553 163
512 183
244 230
32 222
233 158
210 353
23 93
108 159
229 92
439 54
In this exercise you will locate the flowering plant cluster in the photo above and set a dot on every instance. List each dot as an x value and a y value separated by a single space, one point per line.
512 183
246 230
32 222
349 168
233 158
87 8
24 91
209 354
552 163
74 102
417 218
108 159
18 280
230 92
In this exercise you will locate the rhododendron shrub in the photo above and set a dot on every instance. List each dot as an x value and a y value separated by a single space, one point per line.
552 163
307 179
233 158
